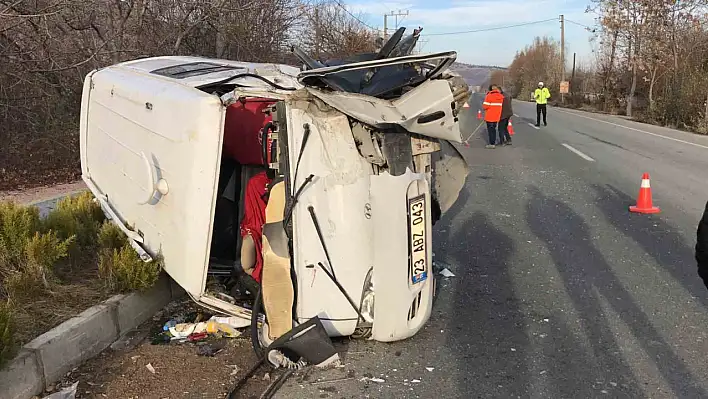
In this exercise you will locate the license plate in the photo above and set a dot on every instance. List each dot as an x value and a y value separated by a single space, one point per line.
418 239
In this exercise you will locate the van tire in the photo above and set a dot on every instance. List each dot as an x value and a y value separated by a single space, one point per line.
255 334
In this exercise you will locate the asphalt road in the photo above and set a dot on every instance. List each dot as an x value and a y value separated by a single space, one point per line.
559 291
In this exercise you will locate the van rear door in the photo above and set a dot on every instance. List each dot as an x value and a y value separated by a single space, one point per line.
150 153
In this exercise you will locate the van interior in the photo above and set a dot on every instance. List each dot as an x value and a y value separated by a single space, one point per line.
242 194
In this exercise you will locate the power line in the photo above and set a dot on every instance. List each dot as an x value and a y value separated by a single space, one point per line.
588 28
337 2
491 29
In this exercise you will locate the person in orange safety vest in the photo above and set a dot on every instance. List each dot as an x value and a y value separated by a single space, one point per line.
492 106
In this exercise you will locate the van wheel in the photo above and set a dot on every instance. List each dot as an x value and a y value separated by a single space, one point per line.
255 333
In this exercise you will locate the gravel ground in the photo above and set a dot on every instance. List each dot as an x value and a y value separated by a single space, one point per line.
124 371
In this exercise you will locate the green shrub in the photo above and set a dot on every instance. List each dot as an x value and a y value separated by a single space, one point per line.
111 236
18 224
43 251
123 270
7 340
36 273
79 216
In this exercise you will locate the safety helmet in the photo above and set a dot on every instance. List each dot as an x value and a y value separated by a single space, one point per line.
540 84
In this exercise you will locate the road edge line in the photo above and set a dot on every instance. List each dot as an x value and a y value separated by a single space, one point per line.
633 128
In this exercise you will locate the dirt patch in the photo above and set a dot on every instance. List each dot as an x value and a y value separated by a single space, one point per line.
179 370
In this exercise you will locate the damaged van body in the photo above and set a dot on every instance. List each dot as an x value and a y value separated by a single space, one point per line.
321 185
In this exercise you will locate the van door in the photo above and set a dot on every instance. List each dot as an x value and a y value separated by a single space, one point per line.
151 150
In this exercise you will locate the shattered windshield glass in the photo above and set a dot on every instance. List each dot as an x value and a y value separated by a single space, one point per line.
367 74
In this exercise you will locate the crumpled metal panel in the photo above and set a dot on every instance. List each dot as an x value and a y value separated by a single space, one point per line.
431 97
450 172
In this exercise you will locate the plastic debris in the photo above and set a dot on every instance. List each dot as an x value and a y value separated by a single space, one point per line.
197 337
372 379
446 273
234 322
66 393
218 326
150 368
211 349
415 380
430 368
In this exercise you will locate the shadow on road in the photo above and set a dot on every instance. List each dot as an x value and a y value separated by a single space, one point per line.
659 239
591 283
488 321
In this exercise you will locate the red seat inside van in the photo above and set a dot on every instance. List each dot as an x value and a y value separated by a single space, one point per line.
243 142
243 130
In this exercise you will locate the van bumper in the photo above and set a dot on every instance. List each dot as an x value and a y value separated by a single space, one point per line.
403 299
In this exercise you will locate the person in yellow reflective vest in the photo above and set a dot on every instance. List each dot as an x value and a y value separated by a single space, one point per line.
541 95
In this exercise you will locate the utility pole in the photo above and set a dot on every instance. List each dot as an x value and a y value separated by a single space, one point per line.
421 43
396 14
562 22
385 27
572 77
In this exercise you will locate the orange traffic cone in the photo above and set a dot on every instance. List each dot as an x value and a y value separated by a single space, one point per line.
644 202
466 105
510 128
479 114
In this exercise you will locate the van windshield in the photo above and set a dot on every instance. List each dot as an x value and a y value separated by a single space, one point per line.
370 74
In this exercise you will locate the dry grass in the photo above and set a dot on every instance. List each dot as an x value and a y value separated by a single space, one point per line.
7 333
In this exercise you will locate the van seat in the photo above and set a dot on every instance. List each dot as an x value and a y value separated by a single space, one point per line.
242 130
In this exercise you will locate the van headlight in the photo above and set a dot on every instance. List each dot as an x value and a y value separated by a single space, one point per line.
367 298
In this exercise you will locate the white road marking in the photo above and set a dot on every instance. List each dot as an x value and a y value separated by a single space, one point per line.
578 153
533 126
517 115
635 129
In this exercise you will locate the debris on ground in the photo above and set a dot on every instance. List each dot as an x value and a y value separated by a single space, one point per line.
66 393
211 349
123 372
150 368
430 368
199 326
446 273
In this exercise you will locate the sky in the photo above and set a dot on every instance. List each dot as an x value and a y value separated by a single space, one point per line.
496 47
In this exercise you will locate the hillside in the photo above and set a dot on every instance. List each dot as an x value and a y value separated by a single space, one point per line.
475 75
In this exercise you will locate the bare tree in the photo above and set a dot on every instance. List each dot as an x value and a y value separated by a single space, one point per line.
48 46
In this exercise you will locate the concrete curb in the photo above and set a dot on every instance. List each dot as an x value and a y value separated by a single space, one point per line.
51 355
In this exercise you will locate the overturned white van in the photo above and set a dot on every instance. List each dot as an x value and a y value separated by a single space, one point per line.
321 184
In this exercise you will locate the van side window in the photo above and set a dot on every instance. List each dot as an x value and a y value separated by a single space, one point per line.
193 69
